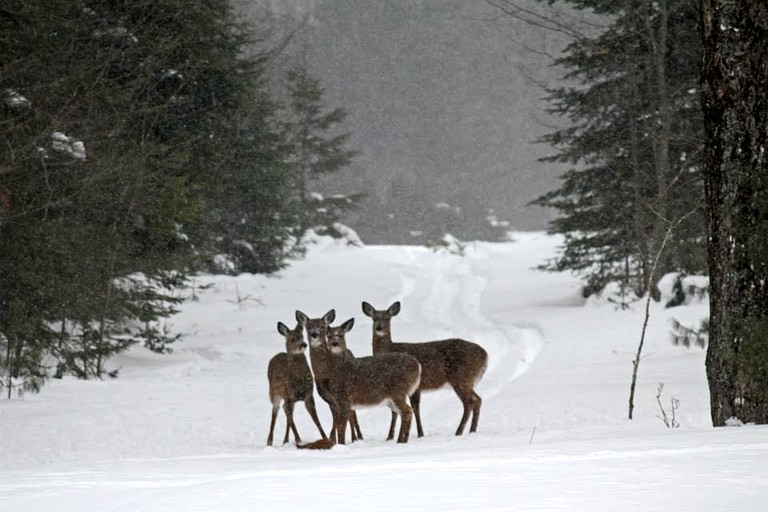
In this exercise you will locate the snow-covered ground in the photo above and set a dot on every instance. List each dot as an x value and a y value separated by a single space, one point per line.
187 431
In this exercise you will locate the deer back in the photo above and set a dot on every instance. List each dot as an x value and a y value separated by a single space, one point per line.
368 381
443 362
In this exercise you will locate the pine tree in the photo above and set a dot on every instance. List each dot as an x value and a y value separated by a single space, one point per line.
114 120
735 104
251 215
316 148
635 143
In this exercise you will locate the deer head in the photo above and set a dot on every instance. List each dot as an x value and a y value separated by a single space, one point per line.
294 339
317 328
381 318
337 341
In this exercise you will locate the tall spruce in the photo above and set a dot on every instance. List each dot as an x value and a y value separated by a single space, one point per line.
635 143
735 105
250 216
114 119
317 147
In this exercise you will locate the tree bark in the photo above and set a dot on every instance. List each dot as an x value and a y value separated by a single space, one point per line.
656 35
734 78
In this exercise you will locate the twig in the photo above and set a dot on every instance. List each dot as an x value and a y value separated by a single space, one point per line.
670 423
651 275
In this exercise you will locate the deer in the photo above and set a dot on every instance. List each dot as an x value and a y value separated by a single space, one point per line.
354 427
290 381
348 383
455 362
337 337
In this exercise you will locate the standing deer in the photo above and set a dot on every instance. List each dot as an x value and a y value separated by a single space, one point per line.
337 339
456 362
290 381
348 383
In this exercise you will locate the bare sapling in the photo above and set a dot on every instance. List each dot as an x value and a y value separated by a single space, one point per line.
350 383
290 381
455 362
651 276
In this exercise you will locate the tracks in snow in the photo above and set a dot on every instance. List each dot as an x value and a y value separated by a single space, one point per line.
442 297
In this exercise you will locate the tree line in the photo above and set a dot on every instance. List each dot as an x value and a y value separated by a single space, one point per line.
140 142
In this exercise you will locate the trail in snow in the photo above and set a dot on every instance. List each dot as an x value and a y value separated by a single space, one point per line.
447 292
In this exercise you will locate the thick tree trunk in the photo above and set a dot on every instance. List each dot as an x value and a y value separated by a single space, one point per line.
735 106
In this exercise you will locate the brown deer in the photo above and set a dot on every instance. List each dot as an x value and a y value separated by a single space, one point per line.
337 338
290 381
347 383
354 426
456 362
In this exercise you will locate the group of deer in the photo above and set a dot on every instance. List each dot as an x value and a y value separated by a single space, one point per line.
394 376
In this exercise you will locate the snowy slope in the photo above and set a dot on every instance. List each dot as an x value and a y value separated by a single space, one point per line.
187 431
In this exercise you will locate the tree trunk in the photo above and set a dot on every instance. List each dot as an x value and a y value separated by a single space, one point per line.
656 35
735 105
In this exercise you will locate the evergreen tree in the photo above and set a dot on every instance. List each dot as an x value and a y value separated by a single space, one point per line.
251 216
114 120
635 143
316 147
735 104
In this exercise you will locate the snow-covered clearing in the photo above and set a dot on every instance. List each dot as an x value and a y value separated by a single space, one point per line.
187 431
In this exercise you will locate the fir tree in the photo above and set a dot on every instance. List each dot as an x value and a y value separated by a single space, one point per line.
635 143
316 147
113 123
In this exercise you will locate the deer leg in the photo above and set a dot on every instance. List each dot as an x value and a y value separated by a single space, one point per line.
476 403
406 414
391 434
309 403
342 417
333 436
352 432
466 400
290 426
275 408
327 396
416 405
356 426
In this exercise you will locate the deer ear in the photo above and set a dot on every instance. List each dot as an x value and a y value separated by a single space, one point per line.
347 326
330 316
367 309
282 328
301 317
394 309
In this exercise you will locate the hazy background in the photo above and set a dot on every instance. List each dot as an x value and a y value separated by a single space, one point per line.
445 100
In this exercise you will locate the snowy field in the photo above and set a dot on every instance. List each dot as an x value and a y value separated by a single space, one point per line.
186 432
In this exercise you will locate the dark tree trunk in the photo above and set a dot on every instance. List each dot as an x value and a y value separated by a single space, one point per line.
735 105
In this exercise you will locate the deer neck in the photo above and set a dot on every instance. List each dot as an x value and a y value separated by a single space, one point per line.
297 360
382 341
322 362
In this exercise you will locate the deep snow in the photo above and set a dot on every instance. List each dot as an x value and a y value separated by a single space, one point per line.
187 431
